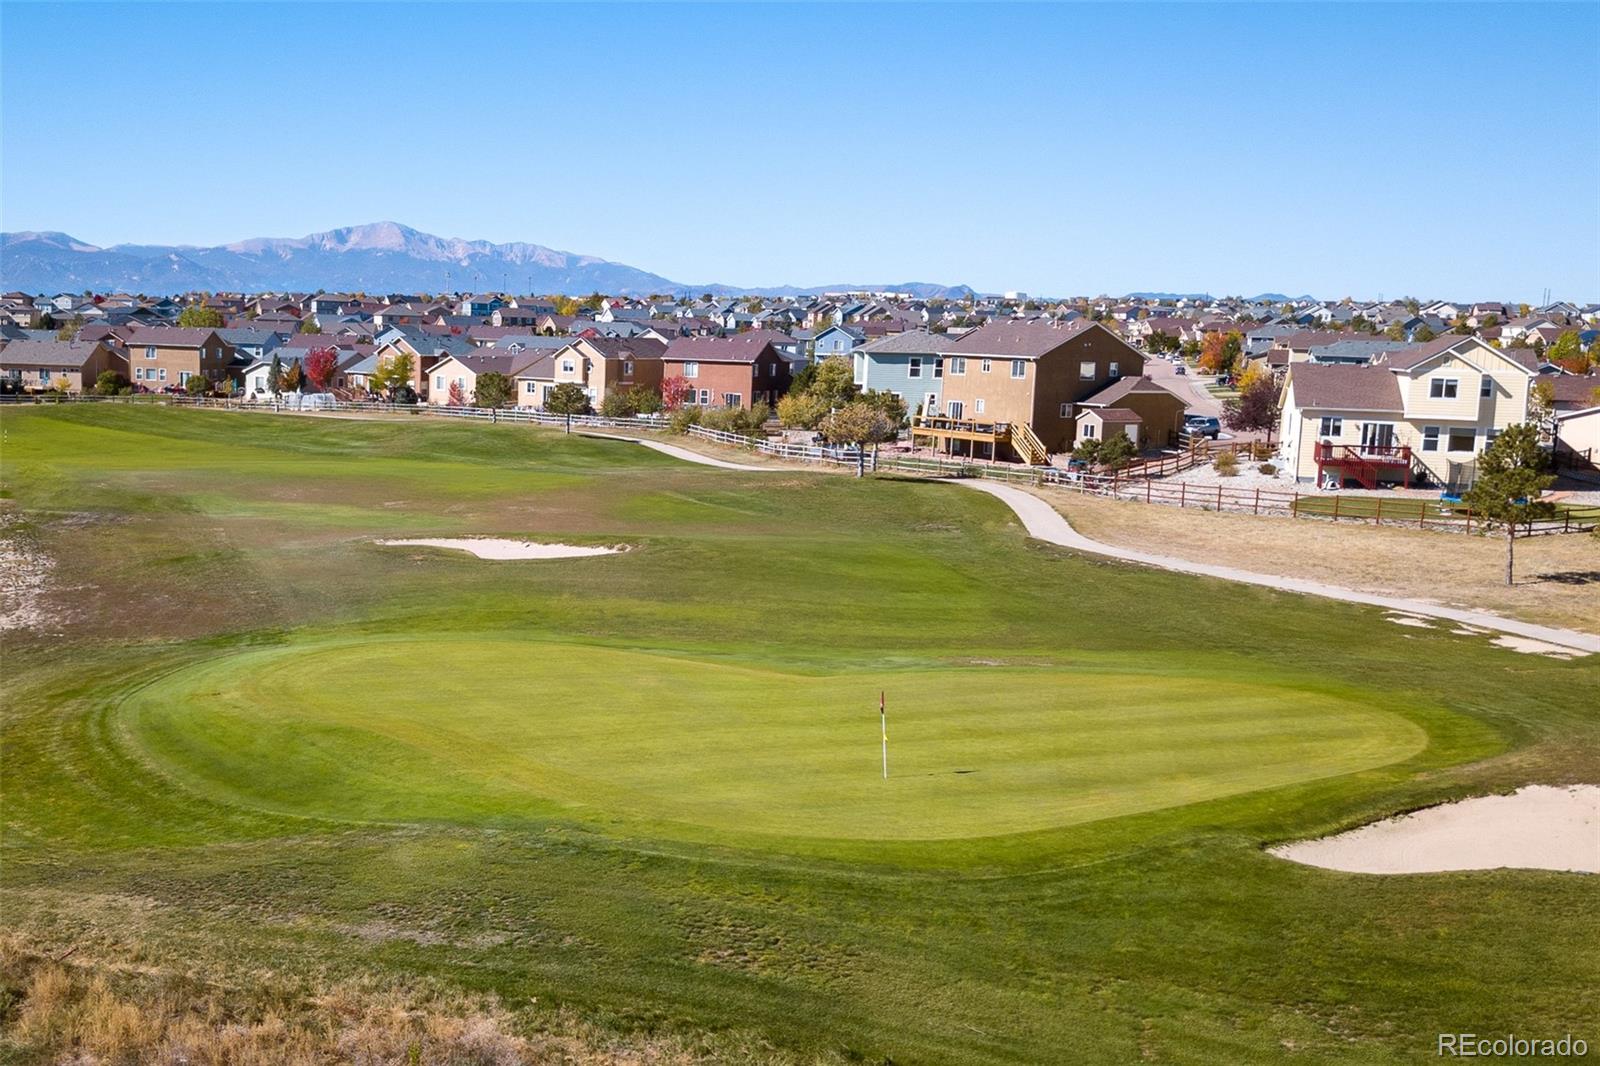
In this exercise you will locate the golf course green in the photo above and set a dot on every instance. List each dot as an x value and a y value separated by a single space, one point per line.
637 798
500 728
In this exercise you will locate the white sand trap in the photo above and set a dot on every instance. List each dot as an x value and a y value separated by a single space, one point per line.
498 548
1534 828
1409 620
1529 646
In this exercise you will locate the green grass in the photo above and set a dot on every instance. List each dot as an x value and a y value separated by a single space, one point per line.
644 787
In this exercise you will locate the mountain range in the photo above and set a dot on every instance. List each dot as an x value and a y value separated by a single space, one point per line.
380 257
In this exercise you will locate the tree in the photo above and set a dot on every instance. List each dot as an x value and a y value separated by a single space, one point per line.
293 379
308 324
801 409
1111 453
859 423
199 316
1396 331
70 328
1567 354
1219 352
834 382
393 373
197 385
1423 334
567 398
892 406
275 374
456 396
646 401
320 364
109 383
494 389
1542 404
1511 475
674 391
565 306
1255 408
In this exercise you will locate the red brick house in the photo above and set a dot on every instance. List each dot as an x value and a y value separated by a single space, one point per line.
738 371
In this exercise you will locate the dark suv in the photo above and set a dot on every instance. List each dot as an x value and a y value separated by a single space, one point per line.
1202 426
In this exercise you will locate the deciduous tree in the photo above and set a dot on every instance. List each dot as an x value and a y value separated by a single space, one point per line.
200 316
567 398
674 391
1255 408
456 396
494 389
859 423
292 379
1511 475
320 364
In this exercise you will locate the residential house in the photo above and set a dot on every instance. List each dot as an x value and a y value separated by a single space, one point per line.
1011 387
602 365
1148 413
744 370
906 364
1423 414
836 340
164 357
463 369
30 365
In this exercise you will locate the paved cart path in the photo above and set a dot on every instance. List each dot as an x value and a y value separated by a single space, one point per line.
1044 522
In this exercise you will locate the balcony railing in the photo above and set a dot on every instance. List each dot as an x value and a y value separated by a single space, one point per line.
975 427
1379 454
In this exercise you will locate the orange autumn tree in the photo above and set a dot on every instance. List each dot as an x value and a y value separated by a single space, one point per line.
1218 351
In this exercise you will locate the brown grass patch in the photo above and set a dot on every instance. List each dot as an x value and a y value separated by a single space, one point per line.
1558 577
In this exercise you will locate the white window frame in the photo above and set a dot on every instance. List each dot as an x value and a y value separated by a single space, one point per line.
1443 388
1430 438
691 370
977 406
1331 427
988 365
1113 369
150 351
1086 370
1486 387
1088 430
705 397
1066 410
914 367
958 366
627 368
938 367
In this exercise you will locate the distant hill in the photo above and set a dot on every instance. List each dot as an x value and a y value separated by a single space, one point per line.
379 257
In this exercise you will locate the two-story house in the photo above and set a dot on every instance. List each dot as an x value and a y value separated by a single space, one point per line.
906 364
1010 387
1419 414
603 365
161 357
739 371
32 365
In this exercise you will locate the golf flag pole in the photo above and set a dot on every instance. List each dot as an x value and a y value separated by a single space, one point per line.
883 724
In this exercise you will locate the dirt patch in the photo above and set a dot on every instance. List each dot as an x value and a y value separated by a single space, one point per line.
1529 646
500 548
24 572
1534 828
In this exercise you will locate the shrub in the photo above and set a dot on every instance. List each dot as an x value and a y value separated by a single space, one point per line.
197 385
746 422
109 383
683 418
1226 464
802 410
567 398
1267 469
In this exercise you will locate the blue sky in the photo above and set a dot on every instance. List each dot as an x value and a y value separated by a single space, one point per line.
1338 150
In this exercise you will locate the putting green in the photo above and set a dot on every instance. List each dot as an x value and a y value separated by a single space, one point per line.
497 730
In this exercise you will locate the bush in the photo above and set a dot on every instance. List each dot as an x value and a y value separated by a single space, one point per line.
802 410
109 383
1267 469
1226 464
746 422
683 418
197 385
619 403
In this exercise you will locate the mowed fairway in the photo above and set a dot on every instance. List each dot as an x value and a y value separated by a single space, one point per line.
637 796
494 728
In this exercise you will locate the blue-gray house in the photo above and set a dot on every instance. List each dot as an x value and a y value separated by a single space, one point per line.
906 364
836 340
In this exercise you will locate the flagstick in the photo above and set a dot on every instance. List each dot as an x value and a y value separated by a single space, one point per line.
883 722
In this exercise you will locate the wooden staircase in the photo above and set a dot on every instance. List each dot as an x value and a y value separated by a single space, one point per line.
1026 443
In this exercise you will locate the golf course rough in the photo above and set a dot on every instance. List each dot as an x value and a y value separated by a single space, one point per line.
493 728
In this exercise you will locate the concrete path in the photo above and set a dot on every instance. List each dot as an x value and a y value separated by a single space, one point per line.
685 454
1044 523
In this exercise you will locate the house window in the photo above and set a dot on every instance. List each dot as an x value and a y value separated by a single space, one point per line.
627 368
1430 438
1442 388
1066 410
958 365
183 377
438 381
566 366
914 367
163 373
1086 371
977 406
1019 368
1331 427
931 404
150 352
1486 387
530 387
732 399
1115 371
1489 435
691 370
1088 429
938 368
705 397
1462 440
987 366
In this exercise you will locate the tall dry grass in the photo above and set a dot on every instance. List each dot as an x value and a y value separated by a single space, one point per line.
102 1013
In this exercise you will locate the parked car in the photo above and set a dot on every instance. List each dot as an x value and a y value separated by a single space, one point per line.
1202 426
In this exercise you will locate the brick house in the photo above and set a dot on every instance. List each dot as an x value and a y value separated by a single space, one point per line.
739 371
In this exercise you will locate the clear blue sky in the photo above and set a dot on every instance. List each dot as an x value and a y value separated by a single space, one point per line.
1339 150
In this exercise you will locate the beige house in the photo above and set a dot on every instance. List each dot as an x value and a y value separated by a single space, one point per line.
602 365
161 357
1150 414
463 370
1577 437
1422 414
41 365
535 379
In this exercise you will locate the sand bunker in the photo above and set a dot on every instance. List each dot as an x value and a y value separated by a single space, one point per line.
1529 646
1534 828
1409 620
499 548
